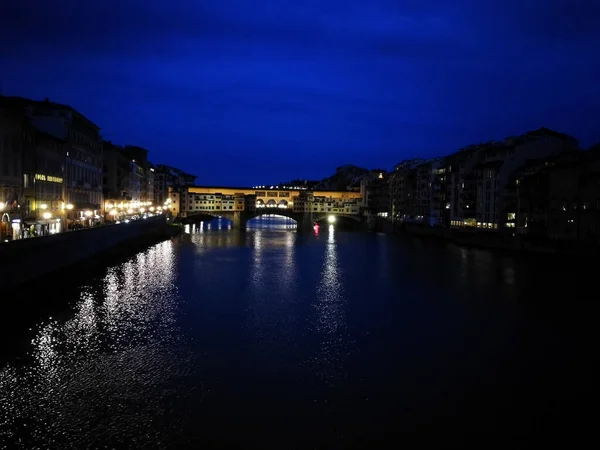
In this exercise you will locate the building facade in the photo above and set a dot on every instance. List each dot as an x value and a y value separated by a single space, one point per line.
83 155
375 192
560 200
167 177
214 200
13 136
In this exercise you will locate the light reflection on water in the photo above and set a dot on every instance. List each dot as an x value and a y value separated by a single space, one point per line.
113 350
329 316
265 328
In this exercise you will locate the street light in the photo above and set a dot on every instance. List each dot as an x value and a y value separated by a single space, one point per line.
47 215
331 219
69 206
44 206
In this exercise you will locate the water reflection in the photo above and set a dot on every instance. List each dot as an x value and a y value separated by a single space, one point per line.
246 331
330 316
116 342
257 269
206 240
271 221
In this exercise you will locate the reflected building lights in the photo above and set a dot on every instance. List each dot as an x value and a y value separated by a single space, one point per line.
257 269
134 308
330 318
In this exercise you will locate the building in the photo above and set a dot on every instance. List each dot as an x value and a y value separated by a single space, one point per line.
44 162
375 192
461 187
13 136
560 200
403 191
83 148
148 187
12 130
194 200
116 170
32 174
418 192
483 179
167 177
142 174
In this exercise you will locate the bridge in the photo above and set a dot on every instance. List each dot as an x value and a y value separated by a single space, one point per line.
240 205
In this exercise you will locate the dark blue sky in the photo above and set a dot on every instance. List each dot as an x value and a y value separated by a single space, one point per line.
258 91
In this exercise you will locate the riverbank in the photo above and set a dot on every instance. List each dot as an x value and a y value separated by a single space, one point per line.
27 260
495 241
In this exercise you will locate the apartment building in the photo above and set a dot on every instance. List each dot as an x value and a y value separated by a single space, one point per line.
83 152
167 177
484 179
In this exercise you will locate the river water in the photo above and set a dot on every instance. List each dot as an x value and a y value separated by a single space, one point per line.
270 338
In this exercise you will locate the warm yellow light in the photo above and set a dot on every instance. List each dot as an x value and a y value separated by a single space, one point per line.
129 211
142 210
331 219
109 206
44 206
88 213
47 215
1 206
113 212
152 208
69 206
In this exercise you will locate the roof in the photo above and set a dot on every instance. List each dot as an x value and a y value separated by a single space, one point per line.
47 104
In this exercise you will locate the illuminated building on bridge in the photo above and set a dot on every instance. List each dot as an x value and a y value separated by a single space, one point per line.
242 204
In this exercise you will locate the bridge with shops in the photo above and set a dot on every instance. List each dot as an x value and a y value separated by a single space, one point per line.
239 205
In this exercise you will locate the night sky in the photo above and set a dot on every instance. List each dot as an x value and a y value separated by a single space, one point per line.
260 91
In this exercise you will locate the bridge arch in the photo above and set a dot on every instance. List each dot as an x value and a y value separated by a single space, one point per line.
268 211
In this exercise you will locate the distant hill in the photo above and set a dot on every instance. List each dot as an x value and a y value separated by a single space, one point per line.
345 177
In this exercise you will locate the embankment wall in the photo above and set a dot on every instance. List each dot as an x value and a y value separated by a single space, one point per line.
25 260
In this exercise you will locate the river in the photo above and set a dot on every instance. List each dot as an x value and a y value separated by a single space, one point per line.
271 338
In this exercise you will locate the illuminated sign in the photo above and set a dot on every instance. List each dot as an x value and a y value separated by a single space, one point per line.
50 178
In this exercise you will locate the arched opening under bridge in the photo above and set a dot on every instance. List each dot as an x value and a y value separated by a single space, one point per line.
270 220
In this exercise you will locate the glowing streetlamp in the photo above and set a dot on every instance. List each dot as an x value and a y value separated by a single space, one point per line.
44 206
47 215
331 219
69 206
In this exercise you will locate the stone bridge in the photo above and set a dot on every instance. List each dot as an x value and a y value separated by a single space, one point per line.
239 219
